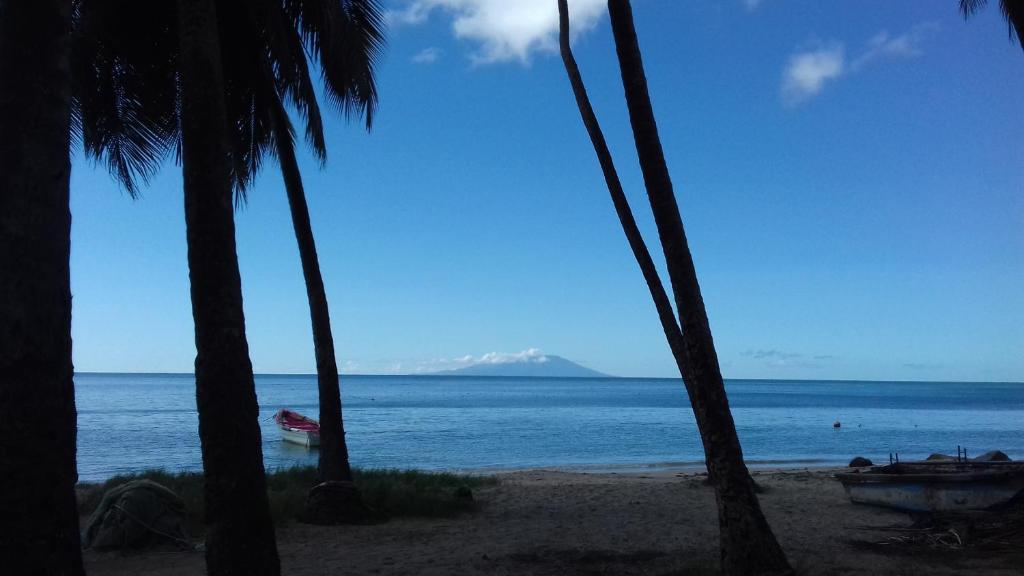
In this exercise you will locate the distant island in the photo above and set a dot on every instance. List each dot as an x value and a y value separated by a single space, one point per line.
545 366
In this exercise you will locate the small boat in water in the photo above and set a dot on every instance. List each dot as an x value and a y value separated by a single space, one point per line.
298 429
936 486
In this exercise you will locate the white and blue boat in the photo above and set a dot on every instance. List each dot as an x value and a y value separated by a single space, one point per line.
940 486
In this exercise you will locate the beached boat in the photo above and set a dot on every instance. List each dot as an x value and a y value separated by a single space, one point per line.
936 486
298 429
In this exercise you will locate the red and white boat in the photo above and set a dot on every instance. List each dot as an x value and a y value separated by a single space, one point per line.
298 429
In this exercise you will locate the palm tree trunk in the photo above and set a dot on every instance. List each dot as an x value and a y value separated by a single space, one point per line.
240 536
39 530
747 543
333 464
611 178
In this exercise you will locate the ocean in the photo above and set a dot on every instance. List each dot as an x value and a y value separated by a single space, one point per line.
133 422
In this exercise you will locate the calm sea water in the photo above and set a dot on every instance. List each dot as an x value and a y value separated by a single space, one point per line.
131 422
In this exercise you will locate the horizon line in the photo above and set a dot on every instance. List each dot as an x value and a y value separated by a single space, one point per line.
440 375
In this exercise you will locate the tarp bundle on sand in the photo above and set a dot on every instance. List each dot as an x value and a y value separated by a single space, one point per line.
137 514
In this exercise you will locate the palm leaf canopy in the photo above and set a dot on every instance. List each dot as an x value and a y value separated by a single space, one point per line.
126 85
1013 12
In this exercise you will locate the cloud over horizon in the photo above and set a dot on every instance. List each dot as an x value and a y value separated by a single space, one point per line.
397 367
530 355
808 72
503 31
775 358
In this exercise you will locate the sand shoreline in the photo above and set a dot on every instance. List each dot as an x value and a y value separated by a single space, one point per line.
549 522
670 468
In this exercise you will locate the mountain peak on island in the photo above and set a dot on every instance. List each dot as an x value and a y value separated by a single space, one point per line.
534 365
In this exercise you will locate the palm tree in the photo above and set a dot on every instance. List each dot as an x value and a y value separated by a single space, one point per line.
147 79
748 545
39 532
345 38
1013 12
240 535
264 49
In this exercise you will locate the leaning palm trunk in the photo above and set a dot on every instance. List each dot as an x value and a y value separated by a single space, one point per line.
633 235
333 463
336 499
747 543
240 535
39 529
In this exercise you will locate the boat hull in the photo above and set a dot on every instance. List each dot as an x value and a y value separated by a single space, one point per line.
301 437
924 497
919 488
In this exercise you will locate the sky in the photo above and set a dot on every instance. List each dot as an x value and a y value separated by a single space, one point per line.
850 175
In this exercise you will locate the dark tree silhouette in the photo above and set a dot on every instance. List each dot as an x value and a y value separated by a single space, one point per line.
1013 12
39 529
240 535
346 39
748 545
126 85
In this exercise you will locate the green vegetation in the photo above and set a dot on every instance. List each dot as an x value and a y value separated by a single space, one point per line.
395 493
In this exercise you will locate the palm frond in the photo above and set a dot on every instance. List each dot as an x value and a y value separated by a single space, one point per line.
1012 10
969 7
125 88
350 72
249 136
288 59
346 38
126 106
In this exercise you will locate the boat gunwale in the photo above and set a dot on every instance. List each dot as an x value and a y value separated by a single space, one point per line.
990 472
290 429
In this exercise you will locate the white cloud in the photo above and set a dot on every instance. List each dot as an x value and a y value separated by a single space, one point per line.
529 356
421 366
427 55
775 358
504 30
883 45
807 73
413 14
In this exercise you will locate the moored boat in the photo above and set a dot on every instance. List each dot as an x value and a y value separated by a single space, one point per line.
298 429
936 486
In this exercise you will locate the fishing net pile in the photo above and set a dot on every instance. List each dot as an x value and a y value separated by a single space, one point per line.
137 514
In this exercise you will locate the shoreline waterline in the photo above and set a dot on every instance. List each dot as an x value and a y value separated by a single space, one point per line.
655 467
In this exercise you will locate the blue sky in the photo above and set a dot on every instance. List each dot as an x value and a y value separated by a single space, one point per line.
851 175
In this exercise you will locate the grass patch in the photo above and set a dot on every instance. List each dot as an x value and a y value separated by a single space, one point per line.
415 493
396 493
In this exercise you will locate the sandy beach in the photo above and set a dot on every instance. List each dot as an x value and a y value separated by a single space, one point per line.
555 522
